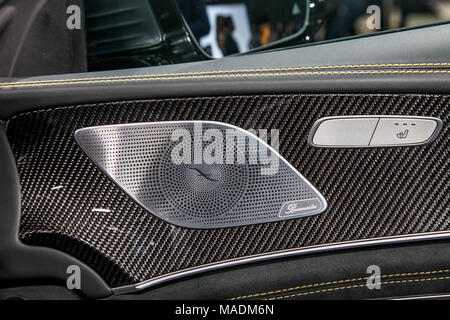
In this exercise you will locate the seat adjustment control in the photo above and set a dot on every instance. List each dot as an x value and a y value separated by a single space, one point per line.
373 131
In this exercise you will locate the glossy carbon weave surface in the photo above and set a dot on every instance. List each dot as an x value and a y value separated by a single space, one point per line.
370 192
200 174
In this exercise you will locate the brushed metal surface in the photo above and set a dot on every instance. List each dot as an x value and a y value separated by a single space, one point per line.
239 188
373 131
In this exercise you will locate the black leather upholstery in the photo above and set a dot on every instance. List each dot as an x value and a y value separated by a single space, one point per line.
392 62
406 270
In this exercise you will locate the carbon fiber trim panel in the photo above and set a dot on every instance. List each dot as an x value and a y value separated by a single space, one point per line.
371 193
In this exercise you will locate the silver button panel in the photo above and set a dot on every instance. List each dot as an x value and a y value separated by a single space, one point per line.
373 131
345 132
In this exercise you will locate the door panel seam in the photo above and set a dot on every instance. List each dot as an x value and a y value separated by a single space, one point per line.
338 282
431 64
359 286
250 75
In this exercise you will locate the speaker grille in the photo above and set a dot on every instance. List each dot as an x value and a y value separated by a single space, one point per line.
371 192
193 195
240 189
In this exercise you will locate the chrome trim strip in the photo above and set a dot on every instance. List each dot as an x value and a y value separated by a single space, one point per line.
426 297
281 254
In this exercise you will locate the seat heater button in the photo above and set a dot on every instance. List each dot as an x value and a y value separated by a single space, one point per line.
403 131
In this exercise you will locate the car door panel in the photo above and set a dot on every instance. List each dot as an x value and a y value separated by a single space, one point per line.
375 196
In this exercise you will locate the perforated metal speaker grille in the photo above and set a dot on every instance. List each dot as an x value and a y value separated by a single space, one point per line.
209 192
240 188
370 192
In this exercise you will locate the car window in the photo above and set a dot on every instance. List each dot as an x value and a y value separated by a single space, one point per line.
97 35
224 27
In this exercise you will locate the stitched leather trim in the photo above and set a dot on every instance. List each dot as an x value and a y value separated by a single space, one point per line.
357 286
432 64
414 71
340 282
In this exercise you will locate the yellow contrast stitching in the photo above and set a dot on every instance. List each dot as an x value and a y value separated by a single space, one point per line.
357 286
18 84
431 64
339 281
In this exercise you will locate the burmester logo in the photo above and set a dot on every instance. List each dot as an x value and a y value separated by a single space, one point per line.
300 207
294 207
205 175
